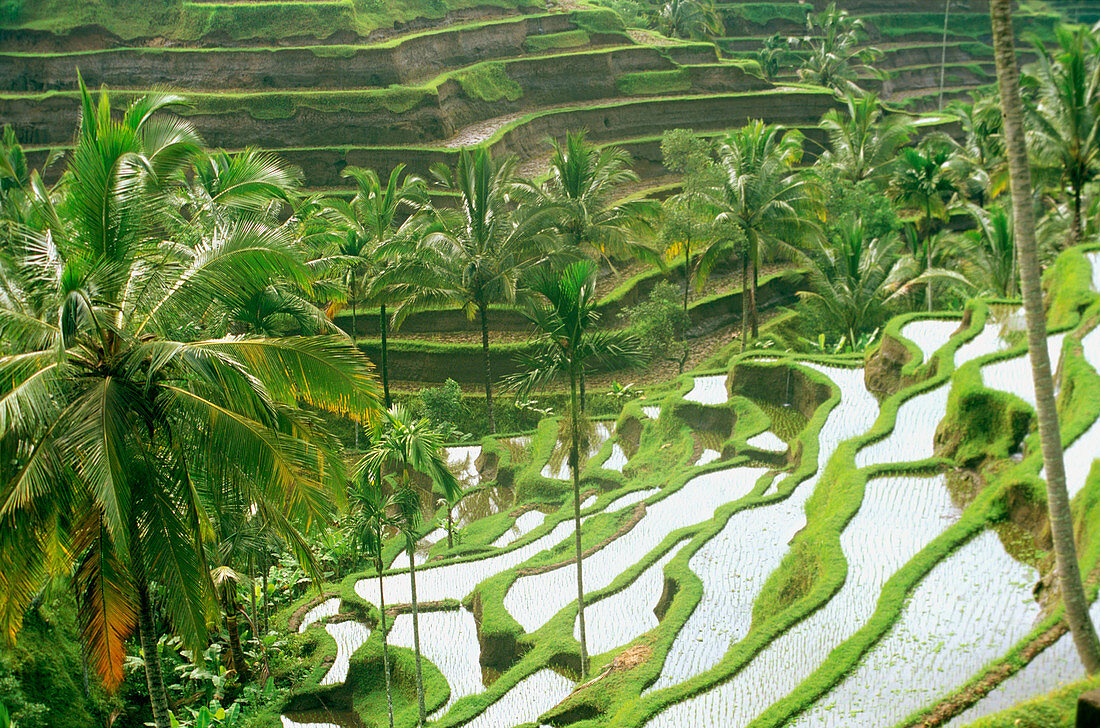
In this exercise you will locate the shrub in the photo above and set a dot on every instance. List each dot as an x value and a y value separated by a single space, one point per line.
443 405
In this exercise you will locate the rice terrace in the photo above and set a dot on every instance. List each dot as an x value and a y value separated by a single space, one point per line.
549 363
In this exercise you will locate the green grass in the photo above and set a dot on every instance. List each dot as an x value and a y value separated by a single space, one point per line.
653 83
556 41
489 82
181 20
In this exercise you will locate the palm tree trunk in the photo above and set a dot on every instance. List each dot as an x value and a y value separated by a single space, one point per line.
744 299
236 651
450 525
687 275
384 325
584 398
382 627
753 310
488 367
154 674
928 267
263 597
416 631
574 466
1061 517
943 54
252 591
1075 229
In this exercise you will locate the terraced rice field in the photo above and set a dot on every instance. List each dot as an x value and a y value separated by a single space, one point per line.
930 592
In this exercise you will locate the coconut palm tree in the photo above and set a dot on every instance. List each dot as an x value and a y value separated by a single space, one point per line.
565 320
864 142
117 400
374 219
837 57
581 191
412 446
855 280
1065 114
1050 436
923 182
477 255
987 254
764 196
373 513
690 19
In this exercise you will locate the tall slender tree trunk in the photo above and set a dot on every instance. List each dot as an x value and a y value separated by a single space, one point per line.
384 325
488 367
943 54
416 631
574 466
263 596
1075 228
744 299
928 267
236 651
382 628
1050 437
754 311
584 398
687 275
154 674
252 592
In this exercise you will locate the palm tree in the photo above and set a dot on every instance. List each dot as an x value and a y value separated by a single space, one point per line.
565 323
987 256
836 56
977 163
373 514
864 142
413 447
580 191
373 224
690 19
855 280
765 197
923 182
477 255
1065 115
116 402
1050 437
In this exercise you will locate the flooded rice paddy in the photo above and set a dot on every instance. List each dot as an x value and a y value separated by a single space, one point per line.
732 528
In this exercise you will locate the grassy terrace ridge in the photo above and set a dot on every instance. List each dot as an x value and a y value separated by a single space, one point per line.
179 20
322 50
837 497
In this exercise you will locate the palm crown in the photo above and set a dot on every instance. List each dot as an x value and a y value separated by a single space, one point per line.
118 410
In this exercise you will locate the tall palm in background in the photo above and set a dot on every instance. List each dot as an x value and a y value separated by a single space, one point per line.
412 447
114 409
987 256
1065 116
373 514
922 181
863 141
690 19
581 192
376 220
854 280
477 255
766 198
1050 436
565 323
837 58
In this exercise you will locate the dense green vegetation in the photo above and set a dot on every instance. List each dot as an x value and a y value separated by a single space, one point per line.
194 450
